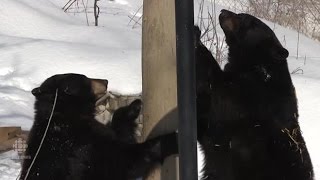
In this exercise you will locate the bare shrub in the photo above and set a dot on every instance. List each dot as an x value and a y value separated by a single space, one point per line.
208 24
301 15
75 4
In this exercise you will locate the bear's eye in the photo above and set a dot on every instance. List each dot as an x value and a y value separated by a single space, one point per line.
246 22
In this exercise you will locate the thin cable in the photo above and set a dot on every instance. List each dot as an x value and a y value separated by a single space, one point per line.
44 136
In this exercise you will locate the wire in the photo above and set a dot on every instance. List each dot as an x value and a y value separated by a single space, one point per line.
44 136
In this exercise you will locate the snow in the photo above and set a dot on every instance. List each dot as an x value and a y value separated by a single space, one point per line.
307 86
38 40
9 166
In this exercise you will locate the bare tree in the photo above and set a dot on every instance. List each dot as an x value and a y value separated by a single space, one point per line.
96 11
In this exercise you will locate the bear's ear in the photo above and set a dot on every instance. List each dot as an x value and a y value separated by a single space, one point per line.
280 53
72 91
135 108
36 91
40 91
197 32
196 35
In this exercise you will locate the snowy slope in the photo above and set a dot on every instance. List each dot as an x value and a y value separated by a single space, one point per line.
38 40
307 88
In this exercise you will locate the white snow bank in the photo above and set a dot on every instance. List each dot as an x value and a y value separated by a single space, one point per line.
38 40
9 168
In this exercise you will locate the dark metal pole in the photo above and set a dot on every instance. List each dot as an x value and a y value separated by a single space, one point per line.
186 90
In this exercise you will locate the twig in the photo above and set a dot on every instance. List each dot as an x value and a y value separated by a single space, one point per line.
134 15
70 5
298 43
85 10
293 137
296 71
66 4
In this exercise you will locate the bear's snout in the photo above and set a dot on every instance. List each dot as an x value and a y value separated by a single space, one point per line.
228 20
99 87
226 13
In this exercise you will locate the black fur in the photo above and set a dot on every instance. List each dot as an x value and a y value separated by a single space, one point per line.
204 72
76 146
253 131
123 121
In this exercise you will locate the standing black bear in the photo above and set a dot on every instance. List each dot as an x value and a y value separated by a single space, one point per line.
252 130
76 146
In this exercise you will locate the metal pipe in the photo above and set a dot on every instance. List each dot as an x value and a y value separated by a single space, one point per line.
186 90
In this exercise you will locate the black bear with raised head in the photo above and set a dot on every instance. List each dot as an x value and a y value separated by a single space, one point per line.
252 130
76 146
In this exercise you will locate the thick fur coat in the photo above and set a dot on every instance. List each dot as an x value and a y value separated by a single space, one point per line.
250 130
76 146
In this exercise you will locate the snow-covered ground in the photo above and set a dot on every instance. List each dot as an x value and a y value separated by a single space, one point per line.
37 40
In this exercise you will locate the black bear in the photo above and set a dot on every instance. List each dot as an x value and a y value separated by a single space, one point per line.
252 130
77 147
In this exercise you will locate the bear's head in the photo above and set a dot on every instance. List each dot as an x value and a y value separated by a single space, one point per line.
250 41
75 92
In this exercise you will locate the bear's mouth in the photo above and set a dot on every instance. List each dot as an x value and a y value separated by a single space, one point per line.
228 21
99 87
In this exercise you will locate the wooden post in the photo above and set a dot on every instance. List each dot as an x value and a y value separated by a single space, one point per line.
159 81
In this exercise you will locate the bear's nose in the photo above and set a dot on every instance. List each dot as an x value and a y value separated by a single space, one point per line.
105 82
225 14
101 82
228 21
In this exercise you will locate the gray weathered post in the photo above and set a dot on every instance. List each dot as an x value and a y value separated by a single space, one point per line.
159 81
169 82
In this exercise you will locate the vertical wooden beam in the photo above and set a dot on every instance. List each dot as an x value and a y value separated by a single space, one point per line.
159 78
159 82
